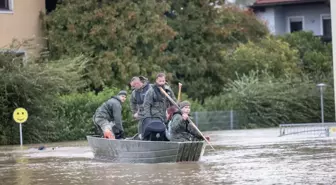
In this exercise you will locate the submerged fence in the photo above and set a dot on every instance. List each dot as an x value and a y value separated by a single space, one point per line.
229 120
219 120
312 129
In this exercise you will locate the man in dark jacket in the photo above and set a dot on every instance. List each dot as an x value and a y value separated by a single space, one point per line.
109 117
156 103
140 87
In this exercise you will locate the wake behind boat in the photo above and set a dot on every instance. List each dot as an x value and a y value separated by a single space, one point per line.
139 151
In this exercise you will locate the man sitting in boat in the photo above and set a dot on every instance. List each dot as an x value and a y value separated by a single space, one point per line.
156 103
109 117
140 85
179 129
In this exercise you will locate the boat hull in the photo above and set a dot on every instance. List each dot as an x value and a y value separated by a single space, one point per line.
136 151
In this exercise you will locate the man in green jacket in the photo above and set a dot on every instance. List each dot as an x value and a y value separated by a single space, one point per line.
179 128
109 117
156 103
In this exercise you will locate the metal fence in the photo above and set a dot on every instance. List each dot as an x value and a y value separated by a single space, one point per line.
229 120
218 120
313 129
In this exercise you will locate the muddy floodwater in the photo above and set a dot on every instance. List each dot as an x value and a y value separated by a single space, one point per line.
241 157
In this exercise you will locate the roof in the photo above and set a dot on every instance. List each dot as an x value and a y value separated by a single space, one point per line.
262 3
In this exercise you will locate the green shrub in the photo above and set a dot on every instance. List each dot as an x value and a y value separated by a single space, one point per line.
315 56
57 111
269 101
35 87
195 105
76 111
268 54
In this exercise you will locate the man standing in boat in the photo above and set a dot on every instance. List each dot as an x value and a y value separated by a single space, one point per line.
140 85
156 103
109 116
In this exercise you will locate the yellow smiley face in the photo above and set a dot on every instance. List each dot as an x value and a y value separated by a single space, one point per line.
333 129
20 115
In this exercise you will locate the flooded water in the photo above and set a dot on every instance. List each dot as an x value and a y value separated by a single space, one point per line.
241 157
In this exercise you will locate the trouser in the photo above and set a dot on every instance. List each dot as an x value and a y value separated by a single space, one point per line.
140 128
99 122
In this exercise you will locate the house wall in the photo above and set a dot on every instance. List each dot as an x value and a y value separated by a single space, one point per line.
22 23
277 17
311 13
280 25
268 16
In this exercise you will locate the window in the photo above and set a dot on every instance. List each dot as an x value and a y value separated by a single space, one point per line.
295 24
6 5
14 54
326 25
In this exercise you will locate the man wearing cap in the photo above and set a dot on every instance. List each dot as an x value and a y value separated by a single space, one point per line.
179 129
155 102
109 117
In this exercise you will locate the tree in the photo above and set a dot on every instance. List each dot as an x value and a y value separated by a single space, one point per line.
315 56
203 32
126 38
269 54
122 38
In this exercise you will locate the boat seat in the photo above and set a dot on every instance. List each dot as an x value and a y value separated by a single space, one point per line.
153 128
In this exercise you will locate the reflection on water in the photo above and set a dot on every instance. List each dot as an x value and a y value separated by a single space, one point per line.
241 157
23 174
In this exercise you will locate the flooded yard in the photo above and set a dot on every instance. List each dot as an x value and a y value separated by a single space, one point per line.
242 157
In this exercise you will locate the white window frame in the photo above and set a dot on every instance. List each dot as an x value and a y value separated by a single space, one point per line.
11 8
295 17
321 21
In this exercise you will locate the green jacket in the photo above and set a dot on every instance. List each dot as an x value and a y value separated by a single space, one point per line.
137 98
180 130
156 103
109 115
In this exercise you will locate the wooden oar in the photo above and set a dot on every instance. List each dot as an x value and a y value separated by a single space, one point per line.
191 122
179 92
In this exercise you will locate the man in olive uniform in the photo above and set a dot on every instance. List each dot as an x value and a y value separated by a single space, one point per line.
109 117
179 128
140 85
156 103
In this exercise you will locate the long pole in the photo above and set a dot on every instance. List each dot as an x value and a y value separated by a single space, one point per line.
190 122
333 36
21 140
322 107
179 92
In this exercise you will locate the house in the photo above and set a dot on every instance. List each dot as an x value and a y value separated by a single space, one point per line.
287 16
20 19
